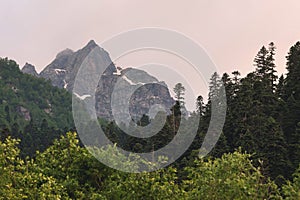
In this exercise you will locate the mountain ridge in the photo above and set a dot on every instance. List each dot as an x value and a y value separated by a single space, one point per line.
63 69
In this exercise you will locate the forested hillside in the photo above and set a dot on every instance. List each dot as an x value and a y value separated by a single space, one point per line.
31 108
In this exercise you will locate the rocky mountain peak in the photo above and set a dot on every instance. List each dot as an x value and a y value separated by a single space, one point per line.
63 69
91 44
29 69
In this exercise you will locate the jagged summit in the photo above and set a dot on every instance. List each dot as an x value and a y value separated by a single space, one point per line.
90 46
67 52
63 69
29 69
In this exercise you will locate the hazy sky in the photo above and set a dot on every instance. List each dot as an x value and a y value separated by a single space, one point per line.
231 31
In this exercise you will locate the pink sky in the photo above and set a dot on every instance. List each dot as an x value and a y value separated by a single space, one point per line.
231 31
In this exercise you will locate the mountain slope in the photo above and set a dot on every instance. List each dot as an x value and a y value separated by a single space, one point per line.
29 104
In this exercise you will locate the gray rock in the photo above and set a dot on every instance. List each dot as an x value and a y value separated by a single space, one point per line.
24 112
63 69
29 69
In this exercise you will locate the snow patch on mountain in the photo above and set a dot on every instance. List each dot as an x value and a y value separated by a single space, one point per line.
82 97
58 71
65 84
118 72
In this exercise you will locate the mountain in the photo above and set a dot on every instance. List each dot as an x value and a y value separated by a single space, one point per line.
29 69
63 70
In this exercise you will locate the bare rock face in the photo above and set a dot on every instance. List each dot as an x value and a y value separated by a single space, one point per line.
148 91
29 69
24 112
63 70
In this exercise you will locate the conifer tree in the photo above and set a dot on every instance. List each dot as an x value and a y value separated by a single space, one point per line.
271 73
291 95
199 105
179 91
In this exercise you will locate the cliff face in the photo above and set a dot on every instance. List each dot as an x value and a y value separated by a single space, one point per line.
148 91
63 69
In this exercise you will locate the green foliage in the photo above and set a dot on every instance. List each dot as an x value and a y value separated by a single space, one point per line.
27 104
154 185
232 176
67 171
71 165
20 180
254 115
292 189
291 107
38 96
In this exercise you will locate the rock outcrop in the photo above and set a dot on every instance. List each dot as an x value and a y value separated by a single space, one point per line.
24 112
29 69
